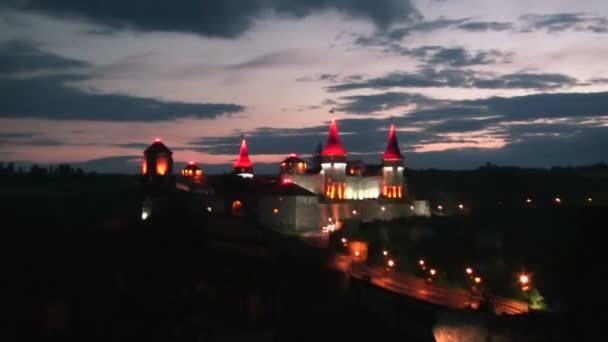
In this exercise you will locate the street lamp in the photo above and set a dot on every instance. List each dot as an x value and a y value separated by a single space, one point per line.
385 252
524 280
469 270
558 200
421 263
461 206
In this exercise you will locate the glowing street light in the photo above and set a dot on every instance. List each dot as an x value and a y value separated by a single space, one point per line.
461 206
385 252
528 200
357 253
432 271
558 200
411 207
524 280
440 207
469 271
477 280
383 208
421 262
391 263
589 199
354 212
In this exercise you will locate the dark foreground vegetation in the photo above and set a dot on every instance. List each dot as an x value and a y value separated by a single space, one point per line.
79 265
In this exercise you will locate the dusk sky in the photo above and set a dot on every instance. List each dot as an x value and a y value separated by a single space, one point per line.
92 83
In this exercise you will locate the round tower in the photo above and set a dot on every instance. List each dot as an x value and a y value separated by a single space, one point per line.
292 165
333 165
392 168
192 170
243 166
158 160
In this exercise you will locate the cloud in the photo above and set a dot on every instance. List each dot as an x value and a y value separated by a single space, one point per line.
450 56
20 56
526 81
55 97
226 19
483 26
273 59
367 104
50 98
547 105
459 78
17 135
559 22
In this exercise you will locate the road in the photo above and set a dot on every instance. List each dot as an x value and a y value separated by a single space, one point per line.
415 287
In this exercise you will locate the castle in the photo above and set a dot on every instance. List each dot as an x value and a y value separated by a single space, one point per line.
300 199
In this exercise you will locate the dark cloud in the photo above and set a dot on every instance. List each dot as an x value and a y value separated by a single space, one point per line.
387 37
367 104
560 105
559 22
460 78
451 56
19 56
421 27
482 26
526 81
226 18
460 125
50 97
17 135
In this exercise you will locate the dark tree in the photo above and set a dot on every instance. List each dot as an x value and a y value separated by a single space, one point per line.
315 160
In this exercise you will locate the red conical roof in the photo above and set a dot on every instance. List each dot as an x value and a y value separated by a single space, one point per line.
243 161
333 146
392 148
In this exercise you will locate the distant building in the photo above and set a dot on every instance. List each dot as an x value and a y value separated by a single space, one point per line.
298 198
193 171
158 161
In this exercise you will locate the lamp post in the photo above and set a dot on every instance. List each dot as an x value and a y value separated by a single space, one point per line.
524 281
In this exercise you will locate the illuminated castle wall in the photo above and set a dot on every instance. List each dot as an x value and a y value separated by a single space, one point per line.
341 180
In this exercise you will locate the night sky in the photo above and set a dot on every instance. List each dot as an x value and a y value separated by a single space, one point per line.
92 83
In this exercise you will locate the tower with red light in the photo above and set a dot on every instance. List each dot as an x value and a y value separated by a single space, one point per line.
333 165
243 166
392 168
158 160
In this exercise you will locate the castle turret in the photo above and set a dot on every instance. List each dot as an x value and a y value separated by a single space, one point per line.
192 170
292 165
243 166
333 164
392 168
158 160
